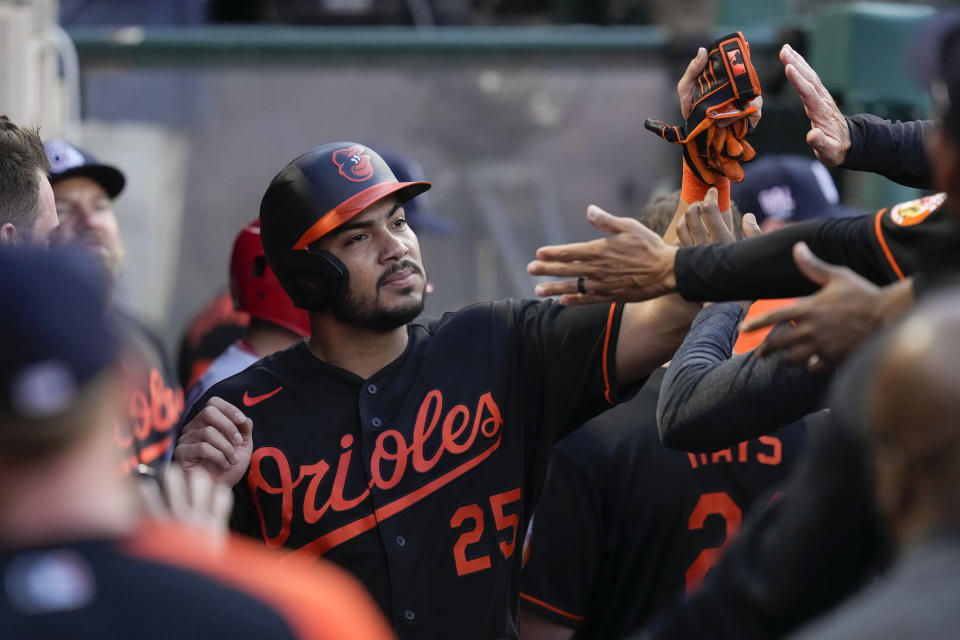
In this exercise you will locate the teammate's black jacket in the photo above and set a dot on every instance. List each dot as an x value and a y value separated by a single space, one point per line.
882 247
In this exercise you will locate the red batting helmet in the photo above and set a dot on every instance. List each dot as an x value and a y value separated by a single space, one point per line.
255 288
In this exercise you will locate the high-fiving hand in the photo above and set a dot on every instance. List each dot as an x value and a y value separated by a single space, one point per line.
829 134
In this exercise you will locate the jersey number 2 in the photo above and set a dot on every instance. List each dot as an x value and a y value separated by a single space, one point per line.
474 513
717 503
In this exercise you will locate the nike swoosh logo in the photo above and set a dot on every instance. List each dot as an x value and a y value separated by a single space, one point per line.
249 401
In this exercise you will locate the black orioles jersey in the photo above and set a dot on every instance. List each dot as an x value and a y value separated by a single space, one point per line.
145 433
916 237
420 478
625 527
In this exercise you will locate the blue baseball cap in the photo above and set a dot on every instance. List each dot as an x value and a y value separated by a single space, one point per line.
57 334
417 210
791 188
67 161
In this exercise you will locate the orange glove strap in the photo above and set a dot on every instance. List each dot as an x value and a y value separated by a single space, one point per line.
693 189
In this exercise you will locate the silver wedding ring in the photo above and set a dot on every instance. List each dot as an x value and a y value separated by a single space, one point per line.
580 286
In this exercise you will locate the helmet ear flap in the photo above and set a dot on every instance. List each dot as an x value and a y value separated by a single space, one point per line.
325 284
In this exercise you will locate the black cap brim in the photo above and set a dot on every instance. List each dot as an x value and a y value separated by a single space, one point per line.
106 176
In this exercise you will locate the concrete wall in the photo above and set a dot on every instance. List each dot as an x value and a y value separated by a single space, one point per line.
516 151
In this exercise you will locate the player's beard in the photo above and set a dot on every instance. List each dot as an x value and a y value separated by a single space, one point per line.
364 313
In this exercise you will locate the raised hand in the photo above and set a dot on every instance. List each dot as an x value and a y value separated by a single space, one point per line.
704 223
194 499
829 134
689 80
219 439
749 226
829 323
630 265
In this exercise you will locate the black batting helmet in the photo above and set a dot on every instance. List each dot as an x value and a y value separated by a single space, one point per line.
312 196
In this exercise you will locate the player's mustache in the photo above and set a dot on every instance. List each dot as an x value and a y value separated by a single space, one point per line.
398 266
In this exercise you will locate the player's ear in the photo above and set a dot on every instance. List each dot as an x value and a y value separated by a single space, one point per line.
8 234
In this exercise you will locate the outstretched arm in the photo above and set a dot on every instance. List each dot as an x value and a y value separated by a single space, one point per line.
829 135
637 265
710 400
895 150
651 331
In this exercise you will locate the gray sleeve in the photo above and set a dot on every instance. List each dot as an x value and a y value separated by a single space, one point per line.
710 400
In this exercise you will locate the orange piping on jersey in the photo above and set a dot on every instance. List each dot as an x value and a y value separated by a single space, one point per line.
199 367
883 245
316 600
551 607
606 345
338 536
148 454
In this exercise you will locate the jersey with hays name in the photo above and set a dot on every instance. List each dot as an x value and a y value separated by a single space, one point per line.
625 527
420 478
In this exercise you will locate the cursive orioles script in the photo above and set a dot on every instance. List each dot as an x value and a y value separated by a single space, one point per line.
436 434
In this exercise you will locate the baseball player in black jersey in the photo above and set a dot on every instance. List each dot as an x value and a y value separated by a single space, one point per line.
626 527
408 451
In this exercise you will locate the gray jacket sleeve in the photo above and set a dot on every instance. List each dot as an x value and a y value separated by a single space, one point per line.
710 400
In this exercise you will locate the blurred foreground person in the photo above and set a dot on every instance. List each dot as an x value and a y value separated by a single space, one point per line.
903 397
77 559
